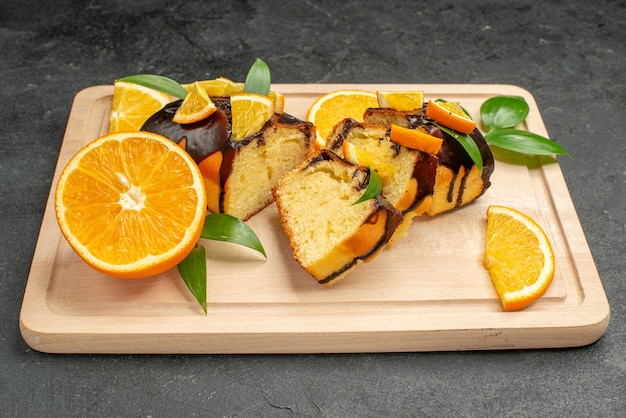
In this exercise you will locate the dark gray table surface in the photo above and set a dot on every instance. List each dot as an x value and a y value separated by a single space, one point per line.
568 54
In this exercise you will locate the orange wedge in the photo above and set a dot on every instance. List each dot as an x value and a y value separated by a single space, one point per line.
279 101
359 156
249 113
196 106
223 86
131 204
331 108
518 256
450 115
217 87
133 104
415 139
401 100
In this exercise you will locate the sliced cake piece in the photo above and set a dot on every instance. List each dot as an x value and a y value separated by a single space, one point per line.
395 163
451 179
253 166
238 175
327 231
406 173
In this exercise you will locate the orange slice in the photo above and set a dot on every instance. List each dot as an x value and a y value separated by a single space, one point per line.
518 256
223 86
331 108
451 115
279 101
133 104
249 113
401 100
131 204
196 106
415 139
217 87
359 156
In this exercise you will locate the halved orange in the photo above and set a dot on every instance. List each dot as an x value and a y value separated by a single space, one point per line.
401 100
518 256
249 113
133 104
415 139
450 115
196 106
331 108
131 204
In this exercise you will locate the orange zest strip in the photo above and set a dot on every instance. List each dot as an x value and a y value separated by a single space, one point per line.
453 120
415 139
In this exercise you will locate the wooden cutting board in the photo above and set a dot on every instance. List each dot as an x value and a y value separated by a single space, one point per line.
428 292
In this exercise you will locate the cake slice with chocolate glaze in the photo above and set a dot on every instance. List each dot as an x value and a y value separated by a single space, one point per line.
450 178
238 175
427 183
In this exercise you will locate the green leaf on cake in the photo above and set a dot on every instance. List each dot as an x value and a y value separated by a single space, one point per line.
374 187
468 144
158 82
258 80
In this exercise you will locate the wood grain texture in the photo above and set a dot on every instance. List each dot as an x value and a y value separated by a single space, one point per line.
428 292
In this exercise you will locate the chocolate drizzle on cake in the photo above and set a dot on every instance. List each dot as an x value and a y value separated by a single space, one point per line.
452 154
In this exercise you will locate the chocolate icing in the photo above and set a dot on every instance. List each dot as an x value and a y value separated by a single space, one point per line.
213 134
200 139
452 154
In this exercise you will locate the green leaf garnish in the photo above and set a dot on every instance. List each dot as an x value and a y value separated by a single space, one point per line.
158 82
500 114
524 142
224 227
374 187
258 80
193 271
503 111
467 143
217 227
